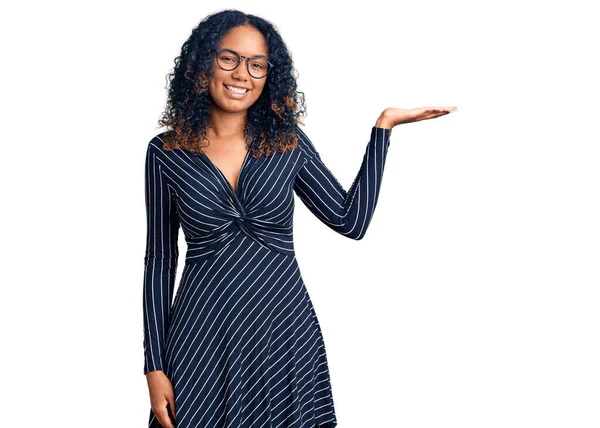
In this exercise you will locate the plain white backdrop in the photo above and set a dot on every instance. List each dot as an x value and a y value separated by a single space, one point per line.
471 302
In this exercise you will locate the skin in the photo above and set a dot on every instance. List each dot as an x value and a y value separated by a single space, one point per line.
228 115
227 151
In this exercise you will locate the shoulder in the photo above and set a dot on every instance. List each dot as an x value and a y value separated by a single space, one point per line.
305 145
155 145
156 154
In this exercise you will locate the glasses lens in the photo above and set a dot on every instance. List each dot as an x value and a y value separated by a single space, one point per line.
228 59
259 67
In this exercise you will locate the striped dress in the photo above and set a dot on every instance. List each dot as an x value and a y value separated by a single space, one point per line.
240 340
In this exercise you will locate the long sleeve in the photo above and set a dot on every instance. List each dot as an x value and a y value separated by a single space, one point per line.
160 262
347 212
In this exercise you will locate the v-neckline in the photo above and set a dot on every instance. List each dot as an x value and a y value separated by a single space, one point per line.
237 185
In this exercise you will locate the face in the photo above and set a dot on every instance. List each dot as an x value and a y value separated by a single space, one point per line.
249 42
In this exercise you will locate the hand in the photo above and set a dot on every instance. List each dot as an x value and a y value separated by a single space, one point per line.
161 394
391 116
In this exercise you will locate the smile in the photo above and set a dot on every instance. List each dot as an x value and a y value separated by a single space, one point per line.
234 90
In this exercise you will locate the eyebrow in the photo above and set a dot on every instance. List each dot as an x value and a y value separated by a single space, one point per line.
251 56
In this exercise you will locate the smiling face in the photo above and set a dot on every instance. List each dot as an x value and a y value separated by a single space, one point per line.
249 42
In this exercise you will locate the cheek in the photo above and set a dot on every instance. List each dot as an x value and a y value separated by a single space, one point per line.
258 90
216 81
212 88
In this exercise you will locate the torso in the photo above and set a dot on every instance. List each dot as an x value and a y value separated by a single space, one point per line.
228 156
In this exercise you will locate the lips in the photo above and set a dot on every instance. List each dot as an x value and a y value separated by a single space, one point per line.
236 90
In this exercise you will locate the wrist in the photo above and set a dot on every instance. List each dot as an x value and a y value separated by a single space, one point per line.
384 122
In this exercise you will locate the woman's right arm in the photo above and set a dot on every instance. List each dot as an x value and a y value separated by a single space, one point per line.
160 268
161 255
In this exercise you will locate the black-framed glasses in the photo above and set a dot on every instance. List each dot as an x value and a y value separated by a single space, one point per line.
228 60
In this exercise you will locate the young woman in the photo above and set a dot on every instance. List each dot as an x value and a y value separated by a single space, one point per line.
240 345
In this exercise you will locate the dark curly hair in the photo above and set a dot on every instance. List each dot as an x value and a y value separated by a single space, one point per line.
272 119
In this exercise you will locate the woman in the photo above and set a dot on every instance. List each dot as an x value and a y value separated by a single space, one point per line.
240 345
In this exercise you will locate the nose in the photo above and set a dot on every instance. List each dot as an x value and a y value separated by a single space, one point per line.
241 71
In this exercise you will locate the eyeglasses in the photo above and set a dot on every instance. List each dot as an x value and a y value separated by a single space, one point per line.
228 60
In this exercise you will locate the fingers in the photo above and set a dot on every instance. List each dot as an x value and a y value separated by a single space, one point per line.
162 398
441 109
162 414
449 109
398 116
171 400
433 112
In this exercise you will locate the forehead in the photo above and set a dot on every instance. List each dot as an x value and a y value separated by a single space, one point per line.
246 40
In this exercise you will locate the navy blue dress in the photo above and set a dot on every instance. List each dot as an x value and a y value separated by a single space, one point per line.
241 342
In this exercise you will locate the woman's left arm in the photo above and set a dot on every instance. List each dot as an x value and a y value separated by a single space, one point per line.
347 212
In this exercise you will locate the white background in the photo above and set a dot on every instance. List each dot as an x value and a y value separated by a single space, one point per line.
473 299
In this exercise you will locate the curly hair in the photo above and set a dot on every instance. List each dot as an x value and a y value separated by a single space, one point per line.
272 119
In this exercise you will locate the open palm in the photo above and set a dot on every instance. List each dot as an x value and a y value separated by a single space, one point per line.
396 116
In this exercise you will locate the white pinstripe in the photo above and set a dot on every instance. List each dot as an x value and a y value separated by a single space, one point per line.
241 342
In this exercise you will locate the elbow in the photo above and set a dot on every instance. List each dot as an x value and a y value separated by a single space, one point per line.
356 229
358 236
161 263
354 233
354 223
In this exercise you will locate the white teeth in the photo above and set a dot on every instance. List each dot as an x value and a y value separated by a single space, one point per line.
236 90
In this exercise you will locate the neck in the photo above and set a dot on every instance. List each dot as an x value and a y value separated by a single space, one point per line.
224 125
